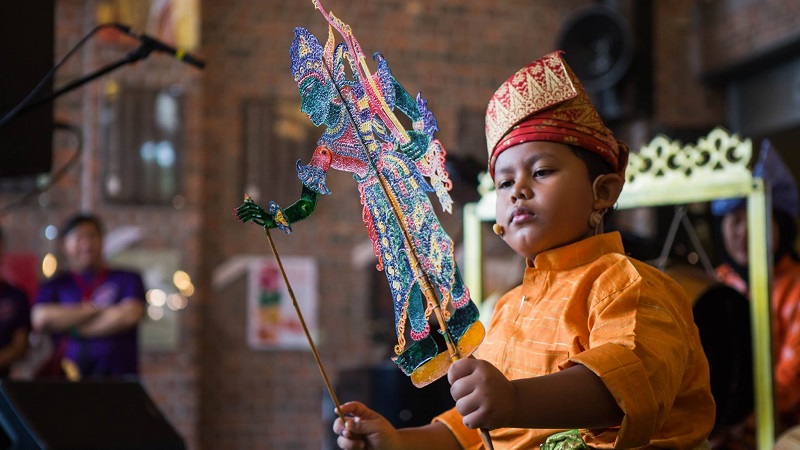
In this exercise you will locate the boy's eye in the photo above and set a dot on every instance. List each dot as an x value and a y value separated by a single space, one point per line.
503 184
538 173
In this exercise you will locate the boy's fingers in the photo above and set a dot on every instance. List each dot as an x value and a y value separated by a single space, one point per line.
346 433
338 426
357 409
360 426
360 420
347 444
459 369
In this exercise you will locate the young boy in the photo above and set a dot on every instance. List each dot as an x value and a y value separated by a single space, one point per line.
592 340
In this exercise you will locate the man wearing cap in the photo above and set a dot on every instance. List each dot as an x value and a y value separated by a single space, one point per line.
785 304
594 349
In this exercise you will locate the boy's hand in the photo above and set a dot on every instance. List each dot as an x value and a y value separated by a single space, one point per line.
483 395
365 429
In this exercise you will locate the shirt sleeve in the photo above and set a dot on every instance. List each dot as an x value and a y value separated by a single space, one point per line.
134 288
787 364
626 379
45 294
639 347
22 310
467 438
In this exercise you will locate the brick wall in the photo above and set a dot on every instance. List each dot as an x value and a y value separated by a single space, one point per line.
216 390
679 100
734 30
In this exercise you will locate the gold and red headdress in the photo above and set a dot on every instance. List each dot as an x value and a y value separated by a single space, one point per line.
544 101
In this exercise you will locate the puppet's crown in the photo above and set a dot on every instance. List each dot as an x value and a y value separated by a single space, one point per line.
306 54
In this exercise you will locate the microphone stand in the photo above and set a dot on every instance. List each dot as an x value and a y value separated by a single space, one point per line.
142 52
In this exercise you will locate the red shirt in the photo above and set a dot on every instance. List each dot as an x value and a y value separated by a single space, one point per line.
785 310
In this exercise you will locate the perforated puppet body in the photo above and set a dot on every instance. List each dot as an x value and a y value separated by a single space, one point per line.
390 165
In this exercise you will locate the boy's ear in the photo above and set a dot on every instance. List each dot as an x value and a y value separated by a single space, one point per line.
606 190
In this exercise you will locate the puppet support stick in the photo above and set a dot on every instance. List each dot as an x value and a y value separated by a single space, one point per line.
305 328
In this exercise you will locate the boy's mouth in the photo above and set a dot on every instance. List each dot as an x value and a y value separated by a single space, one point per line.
520 214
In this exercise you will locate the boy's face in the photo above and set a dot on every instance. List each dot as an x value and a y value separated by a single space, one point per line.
83 246
544 197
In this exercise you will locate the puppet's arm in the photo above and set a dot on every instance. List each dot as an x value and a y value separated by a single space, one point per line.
276 217
427 153
395 96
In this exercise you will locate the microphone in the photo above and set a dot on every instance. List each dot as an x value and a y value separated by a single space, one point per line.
157 45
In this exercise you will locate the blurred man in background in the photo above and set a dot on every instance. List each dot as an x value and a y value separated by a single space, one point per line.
92 310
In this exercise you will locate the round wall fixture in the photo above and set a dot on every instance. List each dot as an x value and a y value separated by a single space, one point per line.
597 44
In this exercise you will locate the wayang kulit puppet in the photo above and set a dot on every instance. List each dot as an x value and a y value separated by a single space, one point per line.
394 169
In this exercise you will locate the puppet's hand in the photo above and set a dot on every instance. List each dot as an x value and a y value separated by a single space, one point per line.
276 217
365 429
417 147
249 211
483 395
427 122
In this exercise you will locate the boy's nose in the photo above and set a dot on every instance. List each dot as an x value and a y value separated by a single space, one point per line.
522 192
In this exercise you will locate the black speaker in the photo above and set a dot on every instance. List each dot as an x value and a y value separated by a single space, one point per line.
610 52
86 415
26 55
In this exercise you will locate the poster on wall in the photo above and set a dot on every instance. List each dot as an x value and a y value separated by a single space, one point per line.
272 320
176 22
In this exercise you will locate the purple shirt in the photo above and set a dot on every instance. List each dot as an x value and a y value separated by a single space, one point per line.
107 356
14 314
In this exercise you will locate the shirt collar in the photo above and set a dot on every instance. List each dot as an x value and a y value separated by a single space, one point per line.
784 264
578 253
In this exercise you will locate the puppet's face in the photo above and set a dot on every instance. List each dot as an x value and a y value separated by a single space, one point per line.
544 197
316 99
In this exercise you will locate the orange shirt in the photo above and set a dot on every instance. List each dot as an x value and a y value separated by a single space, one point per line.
587 303
785 310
